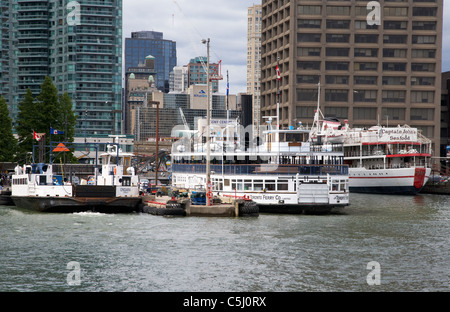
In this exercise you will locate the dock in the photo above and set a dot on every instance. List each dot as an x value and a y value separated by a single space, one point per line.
168 206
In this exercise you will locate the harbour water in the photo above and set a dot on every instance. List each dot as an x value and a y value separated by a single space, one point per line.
407 236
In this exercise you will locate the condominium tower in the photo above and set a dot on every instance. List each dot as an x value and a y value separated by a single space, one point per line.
254 60
377 63
76 43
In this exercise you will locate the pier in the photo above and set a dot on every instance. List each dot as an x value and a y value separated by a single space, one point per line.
169 206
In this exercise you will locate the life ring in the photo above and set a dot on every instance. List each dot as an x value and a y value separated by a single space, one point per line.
209 194
115 170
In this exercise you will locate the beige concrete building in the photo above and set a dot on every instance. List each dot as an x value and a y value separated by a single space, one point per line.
254 60
376 64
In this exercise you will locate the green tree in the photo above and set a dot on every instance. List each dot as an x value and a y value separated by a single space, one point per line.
8 143
66 122
25 124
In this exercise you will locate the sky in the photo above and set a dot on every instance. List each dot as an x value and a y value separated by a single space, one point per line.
187 22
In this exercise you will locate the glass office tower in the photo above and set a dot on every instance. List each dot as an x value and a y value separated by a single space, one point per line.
79 45
145 43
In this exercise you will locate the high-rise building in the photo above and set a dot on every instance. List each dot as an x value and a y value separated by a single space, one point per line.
197 72
76 43
179 79
144 43
377 64
254 60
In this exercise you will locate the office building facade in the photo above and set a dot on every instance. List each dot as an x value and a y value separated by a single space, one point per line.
144 43
378 64
197 72
254 60
76 43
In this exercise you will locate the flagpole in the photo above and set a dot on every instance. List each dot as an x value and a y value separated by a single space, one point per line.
51 144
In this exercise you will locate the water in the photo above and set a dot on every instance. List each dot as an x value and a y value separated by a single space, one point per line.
407 236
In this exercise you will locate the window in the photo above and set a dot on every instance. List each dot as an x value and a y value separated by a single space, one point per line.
366 38
312 65
422 114
394 96
366 66
337 51
338 38
308 51
308 37
364 24
422 97
336 95
394 66
365 113
369 80
393 11
367 96
309 9
337 112
395 38
365 52
424 39
308 79
399 81
338 10
422 81
428 53
336 79
338 24
424 11
305 111
400 53
308 23
427 131
424 67
307 95
429 25
395 25
393 113
336 65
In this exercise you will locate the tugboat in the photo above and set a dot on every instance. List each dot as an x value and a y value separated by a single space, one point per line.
113 189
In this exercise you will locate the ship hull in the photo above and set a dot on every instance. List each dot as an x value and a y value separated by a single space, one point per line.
79 204
404 181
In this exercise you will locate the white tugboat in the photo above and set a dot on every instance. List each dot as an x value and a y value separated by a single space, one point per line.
113 189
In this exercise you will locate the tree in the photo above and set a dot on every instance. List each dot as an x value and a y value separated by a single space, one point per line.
47 110
25 124
8 143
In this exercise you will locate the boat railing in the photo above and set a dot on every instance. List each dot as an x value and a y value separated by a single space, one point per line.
263 169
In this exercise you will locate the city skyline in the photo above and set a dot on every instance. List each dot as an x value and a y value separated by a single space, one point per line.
187 25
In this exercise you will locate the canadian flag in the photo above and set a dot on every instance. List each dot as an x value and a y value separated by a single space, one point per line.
37 136
278 73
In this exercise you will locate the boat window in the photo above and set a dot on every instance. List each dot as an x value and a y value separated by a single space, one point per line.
270 185
126 181
258 185
248 185
226 182
283 185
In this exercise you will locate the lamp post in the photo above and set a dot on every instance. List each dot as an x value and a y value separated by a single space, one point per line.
208 129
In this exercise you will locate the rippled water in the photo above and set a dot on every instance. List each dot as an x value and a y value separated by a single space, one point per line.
408 237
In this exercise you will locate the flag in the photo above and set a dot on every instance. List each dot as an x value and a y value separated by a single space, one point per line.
54 131
278 73
37 136
228 89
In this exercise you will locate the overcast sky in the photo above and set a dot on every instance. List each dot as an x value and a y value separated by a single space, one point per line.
187 22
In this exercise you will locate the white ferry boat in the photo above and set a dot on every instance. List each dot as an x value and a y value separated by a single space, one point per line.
114 188
381 160
292 176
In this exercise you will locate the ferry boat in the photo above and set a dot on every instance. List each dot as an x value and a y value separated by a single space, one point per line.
113 189
381 160
293 176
